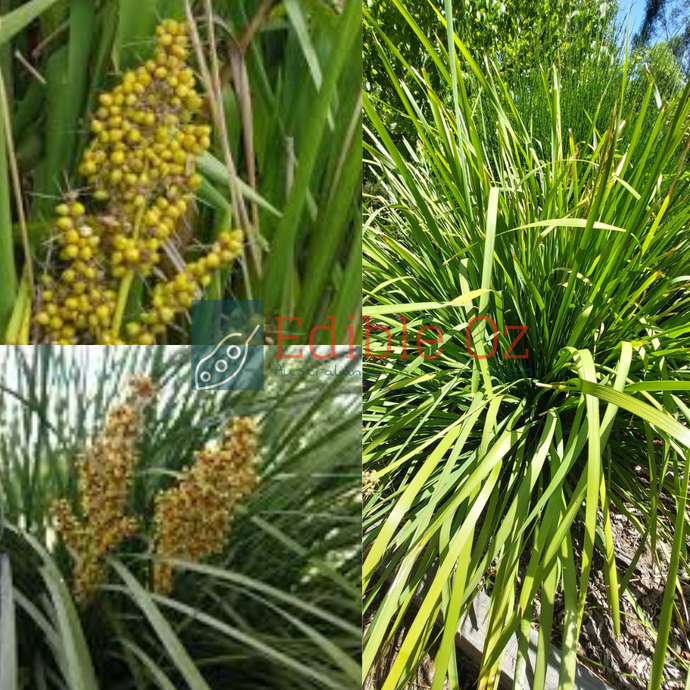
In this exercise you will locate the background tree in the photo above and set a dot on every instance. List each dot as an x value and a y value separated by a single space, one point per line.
667 21
520 36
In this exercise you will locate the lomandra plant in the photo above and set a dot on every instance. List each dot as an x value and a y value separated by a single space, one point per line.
153 537
507 483
155 153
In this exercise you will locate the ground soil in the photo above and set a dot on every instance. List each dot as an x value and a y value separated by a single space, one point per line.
624 662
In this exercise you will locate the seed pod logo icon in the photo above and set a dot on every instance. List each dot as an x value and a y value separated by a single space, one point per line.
233 359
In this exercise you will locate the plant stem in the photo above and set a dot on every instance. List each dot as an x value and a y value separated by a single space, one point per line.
122 296
16 182
8 271
17 329
127 279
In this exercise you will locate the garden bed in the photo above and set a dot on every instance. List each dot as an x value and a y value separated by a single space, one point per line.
625 661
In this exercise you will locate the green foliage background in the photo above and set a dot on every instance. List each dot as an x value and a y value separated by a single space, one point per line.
518 35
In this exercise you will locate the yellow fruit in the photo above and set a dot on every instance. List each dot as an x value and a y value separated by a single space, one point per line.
194 102
71 236
166 315
132 255
182 280
87 168
146 339
140 165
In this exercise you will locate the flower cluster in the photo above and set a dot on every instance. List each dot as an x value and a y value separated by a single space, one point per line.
370 483
140 171
105 477
192 519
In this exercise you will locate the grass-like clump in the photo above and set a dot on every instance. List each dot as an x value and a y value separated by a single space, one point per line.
157 537
495 464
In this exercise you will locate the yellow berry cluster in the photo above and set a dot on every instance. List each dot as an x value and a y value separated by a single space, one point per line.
105 477
192 519
78 299
175 296
142 156
140 171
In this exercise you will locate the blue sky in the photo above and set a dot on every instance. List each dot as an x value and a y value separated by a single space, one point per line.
636 9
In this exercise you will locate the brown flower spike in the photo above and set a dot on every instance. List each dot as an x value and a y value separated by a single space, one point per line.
105 477
192 519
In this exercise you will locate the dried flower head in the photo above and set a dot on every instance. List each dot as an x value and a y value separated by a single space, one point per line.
192 519
105 477
143 387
